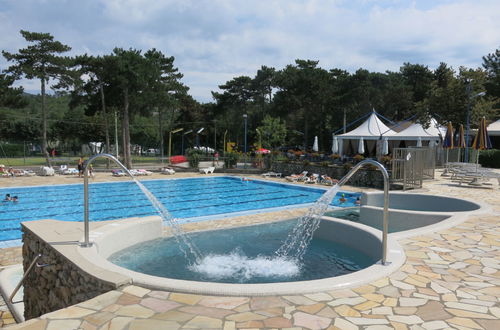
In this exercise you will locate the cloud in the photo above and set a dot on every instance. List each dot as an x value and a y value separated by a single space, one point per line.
216 40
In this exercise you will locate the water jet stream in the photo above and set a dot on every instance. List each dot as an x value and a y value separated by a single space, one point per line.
178 233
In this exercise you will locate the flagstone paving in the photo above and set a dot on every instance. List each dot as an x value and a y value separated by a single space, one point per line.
450 280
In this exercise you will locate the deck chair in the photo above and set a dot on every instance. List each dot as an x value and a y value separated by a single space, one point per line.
207 170
297 177
314 178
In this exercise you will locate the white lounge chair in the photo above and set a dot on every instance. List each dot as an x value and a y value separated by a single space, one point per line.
63 168
297 177
272 174
46 171
70 171
207 170
118 173
167 171
314 178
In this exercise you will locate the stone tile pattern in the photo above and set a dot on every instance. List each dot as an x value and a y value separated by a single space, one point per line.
450 280
57 286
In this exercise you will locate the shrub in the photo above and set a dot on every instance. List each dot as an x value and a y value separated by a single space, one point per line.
12 149
324 164
358 157
347 166
231 158
193 156
490 158
335 156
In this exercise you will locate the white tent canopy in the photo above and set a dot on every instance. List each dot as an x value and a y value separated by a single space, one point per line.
494 128
370 131
416 131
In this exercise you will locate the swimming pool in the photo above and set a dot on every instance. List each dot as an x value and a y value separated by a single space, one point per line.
184 198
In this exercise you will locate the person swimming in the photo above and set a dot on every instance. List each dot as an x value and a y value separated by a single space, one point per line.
358 201
15 199
342 199
7 198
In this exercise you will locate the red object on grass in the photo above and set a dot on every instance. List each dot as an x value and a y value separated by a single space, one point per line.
178 159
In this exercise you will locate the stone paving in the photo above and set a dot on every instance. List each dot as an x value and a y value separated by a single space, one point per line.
450 280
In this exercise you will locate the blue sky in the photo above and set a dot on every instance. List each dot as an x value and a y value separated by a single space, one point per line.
215 40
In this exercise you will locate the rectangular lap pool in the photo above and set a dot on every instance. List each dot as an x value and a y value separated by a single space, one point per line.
184 198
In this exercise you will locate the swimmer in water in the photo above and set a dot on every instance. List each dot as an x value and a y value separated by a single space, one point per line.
342 199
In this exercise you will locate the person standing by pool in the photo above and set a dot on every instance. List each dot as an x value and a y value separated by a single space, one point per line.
80 167
216 158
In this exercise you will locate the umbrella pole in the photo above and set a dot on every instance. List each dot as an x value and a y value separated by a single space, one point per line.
445 172
458 158
477 160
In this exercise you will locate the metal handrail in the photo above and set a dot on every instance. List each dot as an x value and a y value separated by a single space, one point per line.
86 225
385 225
32 264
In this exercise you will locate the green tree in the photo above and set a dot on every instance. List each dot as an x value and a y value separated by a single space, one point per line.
273 132
10 96
40 60
491 64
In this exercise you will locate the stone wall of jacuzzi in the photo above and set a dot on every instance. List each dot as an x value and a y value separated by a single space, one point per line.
67 281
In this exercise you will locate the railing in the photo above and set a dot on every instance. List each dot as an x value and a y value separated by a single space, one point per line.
410 166
385 224
86 225
30 267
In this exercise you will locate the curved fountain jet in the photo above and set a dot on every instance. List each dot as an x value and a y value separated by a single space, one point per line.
299 238
165 215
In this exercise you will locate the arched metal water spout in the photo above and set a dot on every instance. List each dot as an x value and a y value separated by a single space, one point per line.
87 242
385 225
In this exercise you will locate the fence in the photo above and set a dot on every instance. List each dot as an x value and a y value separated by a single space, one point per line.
410 166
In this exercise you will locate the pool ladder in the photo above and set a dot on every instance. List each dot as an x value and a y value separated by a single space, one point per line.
385 224
26 273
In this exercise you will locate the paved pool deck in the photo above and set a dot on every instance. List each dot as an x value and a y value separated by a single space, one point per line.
450 280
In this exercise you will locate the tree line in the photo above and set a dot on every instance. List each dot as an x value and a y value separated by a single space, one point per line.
143 91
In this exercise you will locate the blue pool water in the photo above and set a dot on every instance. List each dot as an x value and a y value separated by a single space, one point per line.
242 255
184 198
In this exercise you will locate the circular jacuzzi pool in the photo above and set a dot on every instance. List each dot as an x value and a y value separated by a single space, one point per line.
344 254
243 255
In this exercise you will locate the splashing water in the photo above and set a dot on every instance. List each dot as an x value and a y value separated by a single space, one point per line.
301 235
179 234
238 265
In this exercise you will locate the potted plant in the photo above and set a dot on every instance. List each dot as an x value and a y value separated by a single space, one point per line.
357 158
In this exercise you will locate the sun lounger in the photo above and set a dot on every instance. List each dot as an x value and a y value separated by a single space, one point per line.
70 171
326 180
207 170
46 171
167 171
272 174
118 173
314 178
297 177
472 176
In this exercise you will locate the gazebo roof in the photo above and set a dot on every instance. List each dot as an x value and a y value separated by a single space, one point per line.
416 130
372 129
494 128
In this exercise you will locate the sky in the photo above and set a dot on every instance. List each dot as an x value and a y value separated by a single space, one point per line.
214 41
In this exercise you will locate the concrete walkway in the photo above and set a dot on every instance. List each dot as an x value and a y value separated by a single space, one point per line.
450 279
